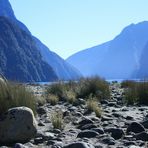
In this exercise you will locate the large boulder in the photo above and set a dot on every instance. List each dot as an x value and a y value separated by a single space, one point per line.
17 125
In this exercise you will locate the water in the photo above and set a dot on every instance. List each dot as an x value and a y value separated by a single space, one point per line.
108 80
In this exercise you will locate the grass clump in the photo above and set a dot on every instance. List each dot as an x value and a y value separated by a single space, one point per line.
69 91
70 96
15 95
52 99
137 93
95 86
57 120
92 106
127 83
56 89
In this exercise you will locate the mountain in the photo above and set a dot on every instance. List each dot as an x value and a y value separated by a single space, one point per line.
116 59
63 70
142 72
20 59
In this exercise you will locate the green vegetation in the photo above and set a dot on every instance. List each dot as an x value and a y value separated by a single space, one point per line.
57 120
70 96
127 84
15 95
94 86
92 106
52 99
85 87
137 93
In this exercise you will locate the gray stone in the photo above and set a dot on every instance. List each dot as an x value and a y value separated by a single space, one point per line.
41 111
79 145
108 140
142 136
135 128
98 130
116 133
145 124
17 125
85 121
19 145
88 126
87 134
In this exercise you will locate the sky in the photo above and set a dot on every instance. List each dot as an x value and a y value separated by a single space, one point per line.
68 26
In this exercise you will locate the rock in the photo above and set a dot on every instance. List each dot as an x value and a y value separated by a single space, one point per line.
142 136
129 118
111 104
98 130
19 145
87 134
41 123
88 126
38 140
84 122
79 145
105 118
117 115
116 133
128 143
135 127
41 110
108 140
17 125
104 102
145 124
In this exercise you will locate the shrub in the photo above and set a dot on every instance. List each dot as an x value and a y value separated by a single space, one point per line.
57 120
14 95
52 99
137 93
70 96
56 89
92 106
131 96
94 86
142 90
71 90
127 84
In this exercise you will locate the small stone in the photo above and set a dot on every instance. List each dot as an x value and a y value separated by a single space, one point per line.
108 140
87 134
98 130
19 145
41 111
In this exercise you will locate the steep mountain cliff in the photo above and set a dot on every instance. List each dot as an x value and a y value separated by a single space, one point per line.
20 59
115 59
63 70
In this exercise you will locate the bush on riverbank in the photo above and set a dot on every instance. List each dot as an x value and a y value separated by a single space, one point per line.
137 93
15 95
85 87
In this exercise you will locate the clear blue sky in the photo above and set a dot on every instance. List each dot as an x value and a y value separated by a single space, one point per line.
68 26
